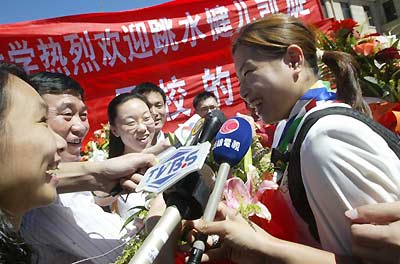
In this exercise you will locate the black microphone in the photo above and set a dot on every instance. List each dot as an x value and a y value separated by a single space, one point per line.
190 194
186 199
212 123
231 145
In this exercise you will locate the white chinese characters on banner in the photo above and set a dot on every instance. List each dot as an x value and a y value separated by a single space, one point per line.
243 12
82 46
219 81
267 7
137 40
52 57
175 92
218 19
163 37
191 29
296 8
109 39
21 54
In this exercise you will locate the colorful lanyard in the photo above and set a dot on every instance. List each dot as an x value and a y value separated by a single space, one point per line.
318 93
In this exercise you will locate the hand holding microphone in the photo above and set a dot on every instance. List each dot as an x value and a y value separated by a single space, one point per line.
231 144
186 199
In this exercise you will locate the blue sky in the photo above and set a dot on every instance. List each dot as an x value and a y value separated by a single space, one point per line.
23 10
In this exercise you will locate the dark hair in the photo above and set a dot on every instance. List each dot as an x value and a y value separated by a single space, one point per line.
147 87
12 247
273 34
56 83
16 70
201 97
5 70
116 147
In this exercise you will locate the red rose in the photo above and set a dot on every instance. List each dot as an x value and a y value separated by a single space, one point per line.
387 54
348 24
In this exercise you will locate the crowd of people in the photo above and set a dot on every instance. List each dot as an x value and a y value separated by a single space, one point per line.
56 209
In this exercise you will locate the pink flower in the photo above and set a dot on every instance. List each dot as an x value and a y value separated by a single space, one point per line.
239 194
365 49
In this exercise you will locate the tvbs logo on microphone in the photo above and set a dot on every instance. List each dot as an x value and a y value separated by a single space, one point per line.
174 167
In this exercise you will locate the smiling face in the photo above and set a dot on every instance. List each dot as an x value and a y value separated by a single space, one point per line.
266 84
68 118
157 109
31 150
134 124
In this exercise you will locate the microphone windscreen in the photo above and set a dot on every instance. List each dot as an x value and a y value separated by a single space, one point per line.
232 141
212 123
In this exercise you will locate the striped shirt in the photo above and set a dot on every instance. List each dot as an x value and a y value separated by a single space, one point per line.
75 228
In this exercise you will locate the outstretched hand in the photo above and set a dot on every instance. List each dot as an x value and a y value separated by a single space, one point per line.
127 170
241 240
376 232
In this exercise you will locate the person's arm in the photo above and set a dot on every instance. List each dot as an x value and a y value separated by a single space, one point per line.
103 176
376 232
242 240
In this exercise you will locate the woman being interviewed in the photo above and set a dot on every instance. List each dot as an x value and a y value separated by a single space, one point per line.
29 150
344 164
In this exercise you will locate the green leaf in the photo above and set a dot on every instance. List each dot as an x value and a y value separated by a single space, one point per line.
133 216
141 207
373 88
247 160
171 138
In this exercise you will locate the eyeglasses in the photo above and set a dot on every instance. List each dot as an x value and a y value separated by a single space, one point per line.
208 108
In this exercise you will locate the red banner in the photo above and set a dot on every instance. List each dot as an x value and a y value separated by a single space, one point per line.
183 46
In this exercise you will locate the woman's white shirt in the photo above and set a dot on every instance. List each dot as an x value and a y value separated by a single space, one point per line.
344 164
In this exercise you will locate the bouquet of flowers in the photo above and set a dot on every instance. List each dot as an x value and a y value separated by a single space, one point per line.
377 55
243 192
97 147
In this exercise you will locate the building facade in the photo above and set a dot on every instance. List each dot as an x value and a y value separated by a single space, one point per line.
381 16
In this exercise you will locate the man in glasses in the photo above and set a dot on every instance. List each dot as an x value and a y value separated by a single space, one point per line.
204 103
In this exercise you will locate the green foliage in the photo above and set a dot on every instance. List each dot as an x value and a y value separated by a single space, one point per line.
130 249
134 244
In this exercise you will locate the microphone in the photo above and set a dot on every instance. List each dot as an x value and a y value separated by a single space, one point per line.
212 123
186 199
231 145
190 194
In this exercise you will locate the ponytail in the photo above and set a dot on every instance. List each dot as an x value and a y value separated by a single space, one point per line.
346 72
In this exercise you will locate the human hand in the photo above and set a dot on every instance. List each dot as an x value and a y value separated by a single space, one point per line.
251 121
159 147
376 232
127 170
241 240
